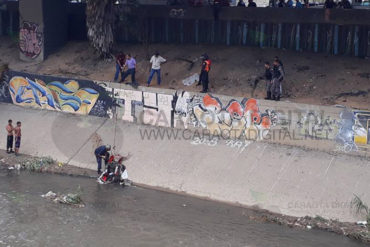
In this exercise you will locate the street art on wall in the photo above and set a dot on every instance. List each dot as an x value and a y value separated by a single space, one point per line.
30 39
235 120
362 127
57 94
67 96
318 125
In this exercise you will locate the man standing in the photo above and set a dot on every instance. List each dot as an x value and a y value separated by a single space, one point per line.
203 77
277 59
100 153
268 76
298 4
251 4
156 61
277 77
120 63
9 141
131 68
18 135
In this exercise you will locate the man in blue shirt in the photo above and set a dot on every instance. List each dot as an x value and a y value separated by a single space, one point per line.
100 153
298 4
130 65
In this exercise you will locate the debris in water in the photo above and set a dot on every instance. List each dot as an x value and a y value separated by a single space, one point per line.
73 199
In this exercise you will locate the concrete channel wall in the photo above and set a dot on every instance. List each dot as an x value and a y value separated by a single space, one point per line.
305 177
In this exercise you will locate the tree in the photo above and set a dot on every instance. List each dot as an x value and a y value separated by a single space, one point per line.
100 21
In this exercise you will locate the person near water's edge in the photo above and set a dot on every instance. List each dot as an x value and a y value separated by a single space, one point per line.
100 153
120 63
203 77
18 135
131 68
156 62
10 137
268 77
277 77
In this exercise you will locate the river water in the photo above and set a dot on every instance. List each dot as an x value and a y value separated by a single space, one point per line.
132 216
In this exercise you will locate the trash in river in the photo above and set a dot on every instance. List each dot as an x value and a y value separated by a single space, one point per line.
362 223
73 199
49 195
191 79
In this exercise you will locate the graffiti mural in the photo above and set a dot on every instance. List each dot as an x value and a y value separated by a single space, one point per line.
362 127
317 125
67 96
30 39
235 120
354 130
57 94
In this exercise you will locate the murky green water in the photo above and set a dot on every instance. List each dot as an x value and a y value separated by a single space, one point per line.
132 216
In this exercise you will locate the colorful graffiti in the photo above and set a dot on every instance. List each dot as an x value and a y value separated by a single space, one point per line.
66 97
30 39
362 127
235 120
354 130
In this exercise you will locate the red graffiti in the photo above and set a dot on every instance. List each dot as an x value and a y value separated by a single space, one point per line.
30 39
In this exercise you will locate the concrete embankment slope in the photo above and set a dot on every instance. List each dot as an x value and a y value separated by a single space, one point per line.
283 179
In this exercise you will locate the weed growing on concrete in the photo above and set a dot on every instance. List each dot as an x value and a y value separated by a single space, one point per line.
360 207
36 164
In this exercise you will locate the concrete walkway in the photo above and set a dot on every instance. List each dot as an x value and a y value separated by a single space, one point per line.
283 179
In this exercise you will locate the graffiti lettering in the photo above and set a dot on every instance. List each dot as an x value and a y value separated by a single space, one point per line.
30 39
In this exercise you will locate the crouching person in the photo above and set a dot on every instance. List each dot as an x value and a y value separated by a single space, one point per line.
102 152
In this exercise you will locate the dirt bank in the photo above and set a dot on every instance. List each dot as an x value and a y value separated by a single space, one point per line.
351 230
237 71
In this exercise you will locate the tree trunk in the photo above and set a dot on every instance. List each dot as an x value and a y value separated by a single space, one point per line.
100 21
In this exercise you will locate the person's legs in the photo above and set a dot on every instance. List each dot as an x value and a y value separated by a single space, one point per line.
158 71
150 76
205 82
17 144
268 89
117 72
133 75
124 75
99 159
277 90
9 145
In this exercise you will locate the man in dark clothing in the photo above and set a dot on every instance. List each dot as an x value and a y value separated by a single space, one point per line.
251 4
277 59
120 63
281 4
241 3
330 4
268 76
203 77
100 153
277 77
345 4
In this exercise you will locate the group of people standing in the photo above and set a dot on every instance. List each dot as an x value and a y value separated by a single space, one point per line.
11 133
274 76
126 65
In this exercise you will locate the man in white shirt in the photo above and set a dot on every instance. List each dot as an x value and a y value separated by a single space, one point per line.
156 62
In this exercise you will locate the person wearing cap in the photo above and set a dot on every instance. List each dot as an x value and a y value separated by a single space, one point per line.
156 62
100 153
203 77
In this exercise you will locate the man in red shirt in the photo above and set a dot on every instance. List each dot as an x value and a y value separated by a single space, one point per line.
9 141
120 63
